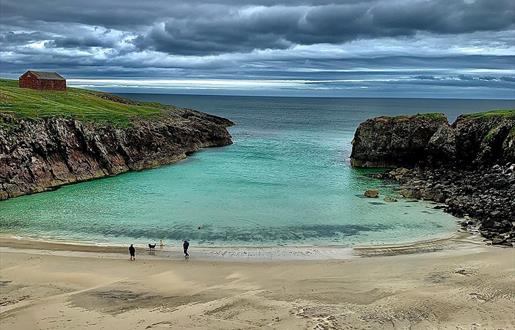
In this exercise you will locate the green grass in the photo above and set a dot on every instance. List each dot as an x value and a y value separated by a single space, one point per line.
501 113
427 116
505 113
491 134
511 134
78 103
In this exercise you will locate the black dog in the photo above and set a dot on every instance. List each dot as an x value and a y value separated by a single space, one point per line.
152 247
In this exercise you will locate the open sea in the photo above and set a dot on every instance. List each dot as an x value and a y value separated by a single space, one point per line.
286 180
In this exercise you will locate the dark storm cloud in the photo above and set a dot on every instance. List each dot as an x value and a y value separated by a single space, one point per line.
12 39
101 40
367 44
233 26
284 26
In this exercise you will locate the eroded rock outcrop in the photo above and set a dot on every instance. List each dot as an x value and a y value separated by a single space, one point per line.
41 154
484 140
483 197
427 139
469 166
394 141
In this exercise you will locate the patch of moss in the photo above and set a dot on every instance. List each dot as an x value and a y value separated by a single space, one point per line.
512 132
491 134
78 103
437 116
504 113
432 116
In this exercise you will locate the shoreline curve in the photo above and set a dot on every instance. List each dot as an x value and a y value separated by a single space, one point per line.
459 241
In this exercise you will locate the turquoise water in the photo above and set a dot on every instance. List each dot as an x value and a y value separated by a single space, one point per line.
286 180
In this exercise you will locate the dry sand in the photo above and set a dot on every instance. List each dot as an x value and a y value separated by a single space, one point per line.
461 286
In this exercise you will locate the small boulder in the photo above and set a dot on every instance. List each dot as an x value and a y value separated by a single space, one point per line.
371 193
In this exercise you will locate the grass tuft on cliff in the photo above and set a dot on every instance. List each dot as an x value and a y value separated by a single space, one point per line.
78 103
431 116
501 113
504 113
438 116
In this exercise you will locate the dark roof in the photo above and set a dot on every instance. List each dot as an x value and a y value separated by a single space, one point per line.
47 75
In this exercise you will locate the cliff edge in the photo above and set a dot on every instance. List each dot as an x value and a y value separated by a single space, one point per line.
48 139
472 141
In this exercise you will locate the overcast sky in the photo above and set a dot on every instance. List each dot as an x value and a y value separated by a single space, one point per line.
391 48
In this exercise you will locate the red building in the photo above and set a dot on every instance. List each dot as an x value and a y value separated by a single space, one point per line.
42 81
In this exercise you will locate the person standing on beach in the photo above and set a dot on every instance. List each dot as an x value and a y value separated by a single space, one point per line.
185 246
132 252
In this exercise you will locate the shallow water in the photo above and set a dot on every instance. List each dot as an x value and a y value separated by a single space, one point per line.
286 180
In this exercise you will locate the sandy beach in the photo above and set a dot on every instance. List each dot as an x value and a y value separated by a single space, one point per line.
460 286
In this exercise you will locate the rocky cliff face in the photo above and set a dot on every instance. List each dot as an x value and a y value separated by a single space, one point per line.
41 154
471 141
469 165
394 141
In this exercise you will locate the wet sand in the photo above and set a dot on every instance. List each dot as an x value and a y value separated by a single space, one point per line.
172 251
461 285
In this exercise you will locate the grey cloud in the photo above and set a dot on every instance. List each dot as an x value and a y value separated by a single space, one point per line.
445 16
101 40
266 39
215 27
282 26
11 38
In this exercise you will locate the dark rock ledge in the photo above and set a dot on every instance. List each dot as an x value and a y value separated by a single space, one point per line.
468 166
45 153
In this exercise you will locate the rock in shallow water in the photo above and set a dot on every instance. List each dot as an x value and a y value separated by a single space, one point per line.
371 193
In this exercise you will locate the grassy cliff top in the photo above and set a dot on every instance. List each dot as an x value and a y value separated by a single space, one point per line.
75 102
505 113
437 116
431 116
502 113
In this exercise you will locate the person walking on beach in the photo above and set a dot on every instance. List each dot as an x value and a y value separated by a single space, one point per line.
132 252
185 246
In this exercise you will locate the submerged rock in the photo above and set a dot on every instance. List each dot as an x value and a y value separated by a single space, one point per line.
390 199
371 193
